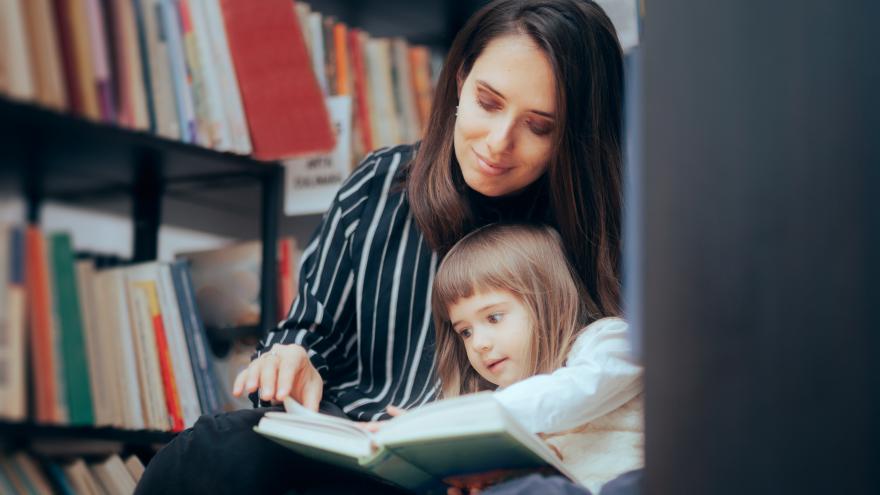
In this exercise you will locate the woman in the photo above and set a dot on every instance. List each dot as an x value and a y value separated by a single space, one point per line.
525 126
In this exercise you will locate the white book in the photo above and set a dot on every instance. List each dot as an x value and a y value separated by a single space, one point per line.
81 479
183 370
152 391
383 115
97 351
117 329
208 80
16 76
420 449
406 98
233 107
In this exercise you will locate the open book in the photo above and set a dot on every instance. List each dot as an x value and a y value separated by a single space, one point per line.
464 435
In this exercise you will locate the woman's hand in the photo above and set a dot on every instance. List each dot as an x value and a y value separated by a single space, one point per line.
283 371
373 426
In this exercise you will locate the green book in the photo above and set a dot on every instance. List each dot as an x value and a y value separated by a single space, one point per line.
76 368
419 450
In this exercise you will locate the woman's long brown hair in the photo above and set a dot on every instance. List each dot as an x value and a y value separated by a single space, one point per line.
582 186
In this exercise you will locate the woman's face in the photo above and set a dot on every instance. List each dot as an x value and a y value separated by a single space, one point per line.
506 107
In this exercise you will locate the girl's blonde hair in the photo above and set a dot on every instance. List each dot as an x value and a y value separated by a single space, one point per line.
527 261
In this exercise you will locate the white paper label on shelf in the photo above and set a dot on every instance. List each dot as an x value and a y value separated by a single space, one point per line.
310 182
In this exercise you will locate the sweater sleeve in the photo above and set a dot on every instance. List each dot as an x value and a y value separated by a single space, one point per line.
599 376
322 317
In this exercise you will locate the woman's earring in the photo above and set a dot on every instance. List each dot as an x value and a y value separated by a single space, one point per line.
456 110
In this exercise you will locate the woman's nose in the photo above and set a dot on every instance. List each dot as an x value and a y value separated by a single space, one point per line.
500 138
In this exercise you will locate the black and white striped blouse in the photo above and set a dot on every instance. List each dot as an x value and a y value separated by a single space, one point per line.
364 311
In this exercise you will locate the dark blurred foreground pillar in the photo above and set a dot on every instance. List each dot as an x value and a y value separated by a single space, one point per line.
760 200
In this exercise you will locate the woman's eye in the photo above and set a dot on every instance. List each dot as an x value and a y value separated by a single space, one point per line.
496 317
487 105
465 333
539 129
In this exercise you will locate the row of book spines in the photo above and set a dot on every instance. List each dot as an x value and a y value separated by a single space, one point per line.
379 73
76 372
21 473
195 70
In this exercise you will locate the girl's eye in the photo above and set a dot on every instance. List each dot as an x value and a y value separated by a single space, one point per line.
496 317
465 333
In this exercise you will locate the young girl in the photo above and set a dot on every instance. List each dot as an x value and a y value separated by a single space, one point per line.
510 315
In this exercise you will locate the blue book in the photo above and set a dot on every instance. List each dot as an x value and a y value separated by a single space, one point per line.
59 478
196 339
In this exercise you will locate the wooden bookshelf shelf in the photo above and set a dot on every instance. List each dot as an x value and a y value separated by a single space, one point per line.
12 431
51 155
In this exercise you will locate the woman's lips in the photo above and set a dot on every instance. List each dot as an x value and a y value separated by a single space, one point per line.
490 168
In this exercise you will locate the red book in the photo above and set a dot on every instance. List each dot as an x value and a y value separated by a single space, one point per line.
285 109
172 400
64 22
40 318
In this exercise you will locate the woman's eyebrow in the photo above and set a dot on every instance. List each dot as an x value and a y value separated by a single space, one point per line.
488 87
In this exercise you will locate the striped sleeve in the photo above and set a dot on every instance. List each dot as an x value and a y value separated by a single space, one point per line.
321 318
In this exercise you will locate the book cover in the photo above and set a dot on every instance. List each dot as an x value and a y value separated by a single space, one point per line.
76 366
101 75
285 108
157 75
405 98
132 97
46 54
13 399
40 323
170 25
362 127
183 369
166 367
230 93
16 76
75 14
98 353
117 327
206 77
153 399
419 450
196 339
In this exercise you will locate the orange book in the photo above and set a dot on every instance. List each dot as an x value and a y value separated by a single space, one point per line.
285 108
172 399
361 92
40 318
340 38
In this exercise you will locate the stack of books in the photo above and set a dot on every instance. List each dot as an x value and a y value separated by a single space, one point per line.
22 473
121 347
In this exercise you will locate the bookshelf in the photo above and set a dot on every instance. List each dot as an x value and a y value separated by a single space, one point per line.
47 155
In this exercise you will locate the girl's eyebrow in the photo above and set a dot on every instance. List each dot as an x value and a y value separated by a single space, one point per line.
488 87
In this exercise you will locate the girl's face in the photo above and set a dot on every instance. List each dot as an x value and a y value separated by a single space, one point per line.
496 331
504 130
